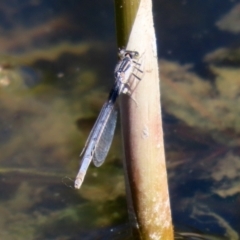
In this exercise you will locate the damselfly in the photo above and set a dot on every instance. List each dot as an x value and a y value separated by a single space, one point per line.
101 135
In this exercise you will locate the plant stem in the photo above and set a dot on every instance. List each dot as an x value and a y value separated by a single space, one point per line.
145 168
125 12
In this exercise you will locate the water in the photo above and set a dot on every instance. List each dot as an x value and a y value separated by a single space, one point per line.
55 59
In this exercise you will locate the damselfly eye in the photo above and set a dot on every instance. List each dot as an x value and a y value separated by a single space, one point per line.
117 74
136 54
121 53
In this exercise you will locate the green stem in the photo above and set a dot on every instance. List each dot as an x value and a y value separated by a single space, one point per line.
125 13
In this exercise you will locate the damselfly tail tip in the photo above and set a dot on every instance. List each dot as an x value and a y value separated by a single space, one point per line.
78 183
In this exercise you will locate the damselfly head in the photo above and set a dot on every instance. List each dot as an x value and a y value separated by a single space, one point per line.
124 53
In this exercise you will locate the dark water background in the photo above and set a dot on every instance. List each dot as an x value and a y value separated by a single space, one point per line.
56 67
